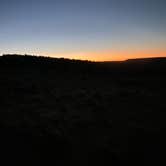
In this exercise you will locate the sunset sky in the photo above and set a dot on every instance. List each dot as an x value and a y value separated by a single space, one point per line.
97 30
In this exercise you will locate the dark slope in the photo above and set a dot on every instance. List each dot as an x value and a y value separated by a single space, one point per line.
61 112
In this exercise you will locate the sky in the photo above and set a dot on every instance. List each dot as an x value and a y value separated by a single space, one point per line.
99 30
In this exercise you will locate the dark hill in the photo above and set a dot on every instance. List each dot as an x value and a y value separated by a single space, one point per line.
71 112
147 60
76 66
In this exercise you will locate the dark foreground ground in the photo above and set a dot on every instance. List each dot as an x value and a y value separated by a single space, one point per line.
62 112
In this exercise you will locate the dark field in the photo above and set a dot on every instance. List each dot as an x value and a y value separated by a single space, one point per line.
67 112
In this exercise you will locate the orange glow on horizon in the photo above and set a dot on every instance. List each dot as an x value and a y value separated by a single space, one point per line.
110 55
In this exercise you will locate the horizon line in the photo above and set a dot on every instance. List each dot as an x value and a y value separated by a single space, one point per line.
53 57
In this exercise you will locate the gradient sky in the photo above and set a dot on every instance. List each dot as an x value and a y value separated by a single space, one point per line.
84 29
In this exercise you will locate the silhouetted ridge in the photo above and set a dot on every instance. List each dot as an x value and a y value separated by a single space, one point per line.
155 59
43 63
62 65
27 59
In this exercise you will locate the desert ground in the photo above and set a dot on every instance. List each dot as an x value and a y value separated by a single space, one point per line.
61 112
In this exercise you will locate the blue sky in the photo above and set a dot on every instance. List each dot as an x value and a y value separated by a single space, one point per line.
87 28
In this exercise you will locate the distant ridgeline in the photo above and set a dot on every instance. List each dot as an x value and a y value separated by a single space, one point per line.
29 62
148 60
41 62
31 59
